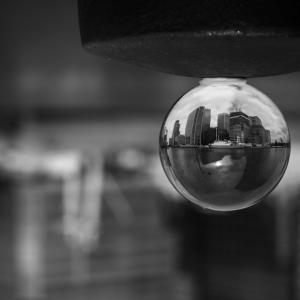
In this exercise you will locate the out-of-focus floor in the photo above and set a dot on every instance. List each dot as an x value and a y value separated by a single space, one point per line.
133 260
116 240
123 251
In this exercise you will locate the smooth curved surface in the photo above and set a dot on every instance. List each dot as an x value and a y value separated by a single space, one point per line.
224 145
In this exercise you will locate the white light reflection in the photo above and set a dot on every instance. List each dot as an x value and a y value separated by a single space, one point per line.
219 163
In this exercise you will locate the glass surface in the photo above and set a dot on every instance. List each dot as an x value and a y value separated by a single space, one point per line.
224 145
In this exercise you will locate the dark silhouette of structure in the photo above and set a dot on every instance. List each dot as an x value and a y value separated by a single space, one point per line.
236 127
176 133
197 127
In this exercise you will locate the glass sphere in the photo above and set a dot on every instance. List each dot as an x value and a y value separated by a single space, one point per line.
224 145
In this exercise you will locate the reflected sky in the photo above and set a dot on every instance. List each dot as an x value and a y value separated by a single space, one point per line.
225 96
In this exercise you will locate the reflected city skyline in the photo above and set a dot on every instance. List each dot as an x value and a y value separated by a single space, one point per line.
233 129
223 115
224 145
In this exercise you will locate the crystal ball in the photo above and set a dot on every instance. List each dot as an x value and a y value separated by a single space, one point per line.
224 145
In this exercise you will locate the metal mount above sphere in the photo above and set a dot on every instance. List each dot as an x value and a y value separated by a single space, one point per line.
204 38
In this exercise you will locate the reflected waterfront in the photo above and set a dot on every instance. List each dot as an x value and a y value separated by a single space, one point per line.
224 145
226 177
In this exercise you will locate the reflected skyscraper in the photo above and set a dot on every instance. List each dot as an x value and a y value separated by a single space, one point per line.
205 126
223 121
197 126
176 133
223 126
239 127
268 137
248 129
190 127
258 135
212 134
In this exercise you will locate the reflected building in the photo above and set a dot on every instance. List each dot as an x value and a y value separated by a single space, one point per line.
255 121
268 137
239 127
197 126
223 126
248 129
176 133
181 139
212 134
206 126
164 137
190 129
236 126
237 133
259 136
223 121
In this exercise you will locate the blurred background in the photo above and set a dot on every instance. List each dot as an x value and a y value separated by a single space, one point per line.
86 211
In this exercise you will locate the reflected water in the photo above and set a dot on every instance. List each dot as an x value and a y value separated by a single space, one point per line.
225 178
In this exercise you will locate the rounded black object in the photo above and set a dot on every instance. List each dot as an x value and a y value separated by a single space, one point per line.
204 38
